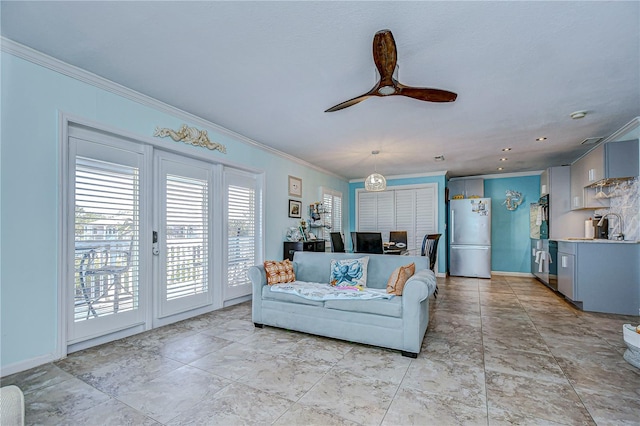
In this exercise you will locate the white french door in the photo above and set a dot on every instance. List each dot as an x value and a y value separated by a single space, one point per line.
106 180
184 234
150 237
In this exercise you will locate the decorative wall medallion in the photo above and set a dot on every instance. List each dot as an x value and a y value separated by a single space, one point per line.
190 135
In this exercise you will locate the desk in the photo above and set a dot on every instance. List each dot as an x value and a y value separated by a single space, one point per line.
290 247
396 251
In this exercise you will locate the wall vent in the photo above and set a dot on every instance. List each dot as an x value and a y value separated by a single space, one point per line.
590 141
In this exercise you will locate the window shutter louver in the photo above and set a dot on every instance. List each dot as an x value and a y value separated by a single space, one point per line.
187 230
106 238
241 228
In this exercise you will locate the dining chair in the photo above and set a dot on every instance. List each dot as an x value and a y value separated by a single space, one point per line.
430 248
337 243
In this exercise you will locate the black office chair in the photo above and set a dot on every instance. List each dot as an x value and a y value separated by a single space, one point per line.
337 243
369 242
398 237
430 248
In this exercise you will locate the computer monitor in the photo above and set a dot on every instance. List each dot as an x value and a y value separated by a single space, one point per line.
368 242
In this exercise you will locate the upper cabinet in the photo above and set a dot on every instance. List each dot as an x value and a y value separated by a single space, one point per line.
466 187
611 160
544 183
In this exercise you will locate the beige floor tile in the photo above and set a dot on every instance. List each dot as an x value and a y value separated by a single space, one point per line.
351 397
453 380
533 365
186 387
236 404
414 407
522 396
309 416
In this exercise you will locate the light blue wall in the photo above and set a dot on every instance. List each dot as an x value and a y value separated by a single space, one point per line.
32 97
510 243
442 209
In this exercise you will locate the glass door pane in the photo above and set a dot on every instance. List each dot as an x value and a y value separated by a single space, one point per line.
184 234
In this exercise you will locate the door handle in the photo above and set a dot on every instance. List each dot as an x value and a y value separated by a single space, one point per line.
154 247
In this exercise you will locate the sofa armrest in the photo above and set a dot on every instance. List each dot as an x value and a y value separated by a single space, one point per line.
415 308
421 291
258 278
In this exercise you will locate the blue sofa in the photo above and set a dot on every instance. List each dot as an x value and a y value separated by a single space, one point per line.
397 323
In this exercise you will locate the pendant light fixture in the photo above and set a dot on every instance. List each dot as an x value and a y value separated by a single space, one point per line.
375 181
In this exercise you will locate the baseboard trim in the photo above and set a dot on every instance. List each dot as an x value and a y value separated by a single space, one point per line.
26 364
513 274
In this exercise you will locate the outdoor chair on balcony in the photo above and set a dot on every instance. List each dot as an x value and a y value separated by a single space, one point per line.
100 275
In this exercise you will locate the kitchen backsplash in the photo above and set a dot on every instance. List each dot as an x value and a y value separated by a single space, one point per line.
625 200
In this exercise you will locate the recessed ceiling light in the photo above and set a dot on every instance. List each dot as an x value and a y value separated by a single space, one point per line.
500 168
578 114
504 159
506 149
541 138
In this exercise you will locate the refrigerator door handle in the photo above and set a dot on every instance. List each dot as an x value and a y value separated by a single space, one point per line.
453 227
470 248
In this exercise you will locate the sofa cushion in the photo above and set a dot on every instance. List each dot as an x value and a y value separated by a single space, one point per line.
279 272
399 277
385 307
349 271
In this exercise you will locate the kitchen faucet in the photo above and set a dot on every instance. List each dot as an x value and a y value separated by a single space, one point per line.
619 236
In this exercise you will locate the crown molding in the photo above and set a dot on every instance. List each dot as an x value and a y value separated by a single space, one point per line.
34 56
500 175
408 176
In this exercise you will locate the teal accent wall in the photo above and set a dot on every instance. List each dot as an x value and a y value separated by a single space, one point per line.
442 209
510 243
32 98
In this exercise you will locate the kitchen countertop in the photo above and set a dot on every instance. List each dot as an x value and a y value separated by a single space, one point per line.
594 240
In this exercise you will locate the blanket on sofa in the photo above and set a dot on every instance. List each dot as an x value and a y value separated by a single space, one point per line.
321 291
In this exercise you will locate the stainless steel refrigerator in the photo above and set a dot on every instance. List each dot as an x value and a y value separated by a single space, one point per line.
470 237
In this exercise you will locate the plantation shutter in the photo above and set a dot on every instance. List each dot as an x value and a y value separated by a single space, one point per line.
187 230
413 210
332 203
405 210
243 231
426 214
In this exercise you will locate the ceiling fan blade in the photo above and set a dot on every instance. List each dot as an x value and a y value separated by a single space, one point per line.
426 94
385 56
349 103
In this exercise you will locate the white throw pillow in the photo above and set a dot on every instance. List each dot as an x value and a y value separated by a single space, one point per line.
349 272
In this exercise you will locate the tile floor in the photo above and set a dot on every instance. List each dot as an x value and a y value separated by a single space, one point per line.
499 351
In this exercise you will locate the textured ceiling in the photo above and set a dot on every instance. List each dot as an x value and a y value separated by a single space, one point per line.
268 70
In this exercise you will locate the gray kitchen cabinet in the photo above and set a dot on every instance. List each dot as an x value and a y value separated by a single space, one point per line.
610 160
566 270
600 277
562 221
544 183
621 159
466 187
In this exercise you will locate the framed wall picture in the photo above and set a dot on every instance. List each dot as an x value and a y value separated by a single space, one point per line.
295 186
295 209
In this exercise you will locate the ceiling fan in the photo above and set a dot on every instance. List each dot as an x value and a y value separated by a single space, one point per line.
385 57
